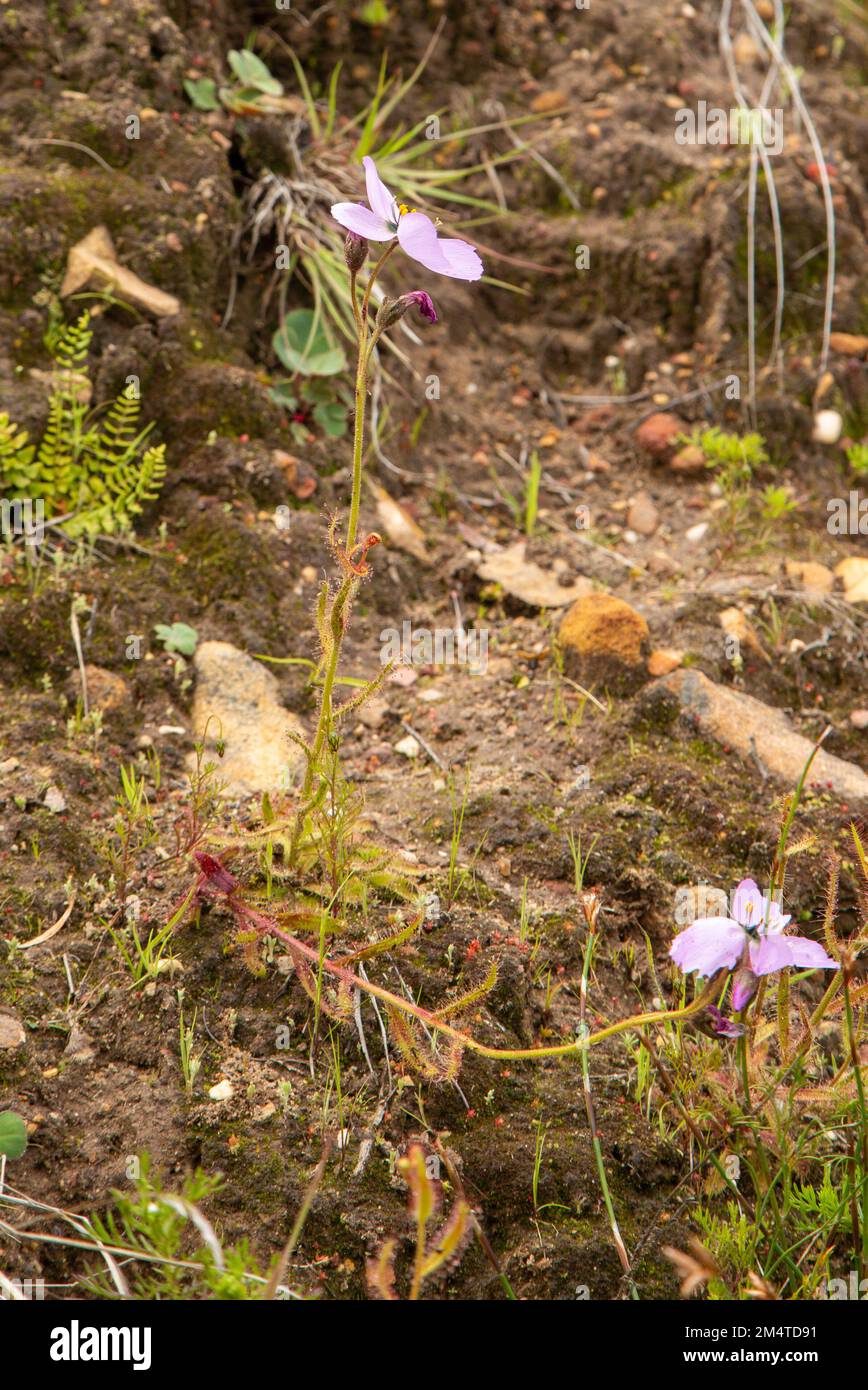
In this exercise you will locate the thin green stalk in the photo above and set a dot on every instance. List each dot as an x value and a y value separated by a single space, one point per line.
590 943
343 599
861 1252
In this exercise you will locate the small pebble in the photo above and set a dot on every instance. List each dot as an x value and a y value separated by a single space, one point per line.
408 747
828 425
54 800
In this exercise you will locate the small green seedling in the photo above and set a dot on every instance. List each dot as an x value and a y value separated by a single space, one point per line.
177 637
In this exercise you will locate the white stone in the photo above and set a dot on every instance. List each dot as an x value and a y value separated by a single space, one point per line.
828 425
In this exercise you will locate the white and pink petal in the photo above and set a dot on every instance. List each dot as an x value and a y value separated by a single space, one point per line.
359 219
809 954
770 953
379 197
709 945
748 904
445 256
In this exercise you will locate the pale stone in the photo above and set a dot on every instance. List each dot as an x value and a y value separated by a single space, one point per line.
853 573
811 576
664 660
755 730
527 581
241 699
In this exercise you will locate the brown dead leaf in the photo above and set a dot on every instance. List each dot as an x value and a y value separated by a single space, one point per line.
93 262
400 528
526 580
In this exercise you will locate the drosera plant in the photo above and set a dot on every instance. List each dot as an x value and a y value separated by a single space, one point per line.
391 225
435 1252
776 1117
429 1040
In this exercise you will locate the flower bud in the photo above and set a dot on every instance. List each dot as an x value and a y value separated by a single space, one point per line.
591 902
355 252
391 310
744 987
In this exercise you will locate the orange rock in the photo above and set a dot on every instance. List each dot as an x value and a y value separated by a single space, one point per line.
664 660
658 434
811 576
850 344
690 459
548 101
604 639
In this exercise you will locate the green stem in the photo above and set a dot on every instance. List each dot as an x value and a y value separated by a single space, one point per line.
343 598
621 1248
268 927
861 1252
359 433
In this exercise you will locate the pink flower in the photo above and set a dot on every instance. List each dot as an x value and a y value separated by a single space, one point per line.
416 233
720 1025
754 934
424 302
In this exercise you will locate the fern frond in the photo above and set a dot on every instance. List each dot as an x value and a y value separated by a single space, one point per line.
18 476
100 476
119 439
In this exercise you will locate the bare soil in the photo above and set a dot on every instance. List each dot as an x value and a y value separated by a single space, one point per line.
661 806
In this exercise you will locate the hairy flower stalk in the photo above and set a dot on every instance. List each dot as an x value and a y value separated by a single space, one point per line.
417 235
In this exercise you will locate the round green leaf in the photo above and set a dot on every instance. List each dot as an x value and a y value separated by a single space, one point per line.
177 637
332 418
13 1134
306 352
202 93
252 72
